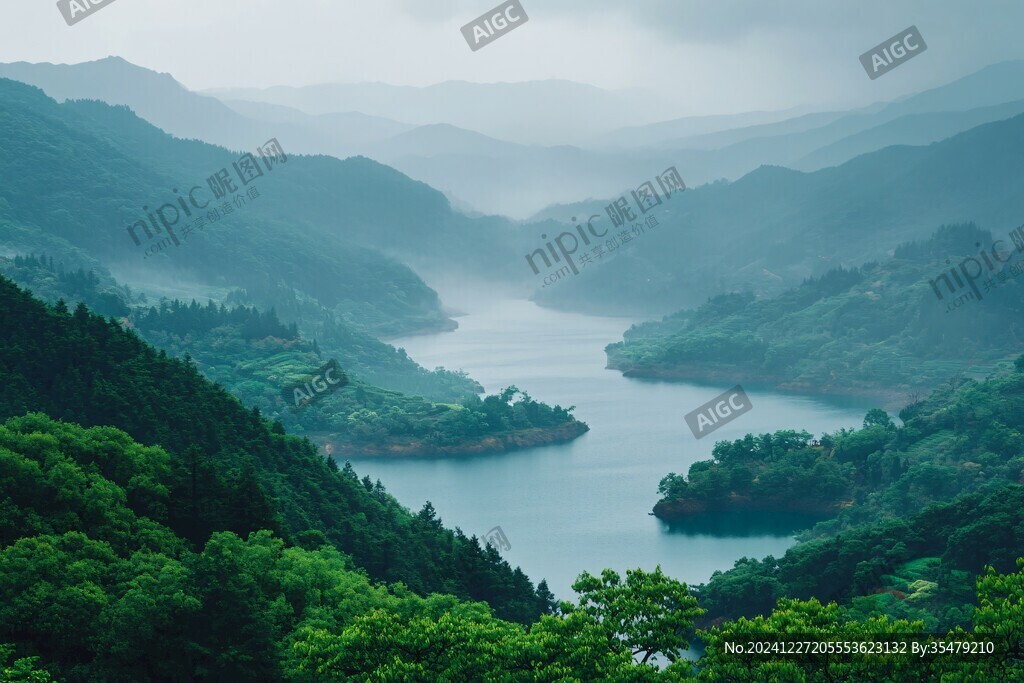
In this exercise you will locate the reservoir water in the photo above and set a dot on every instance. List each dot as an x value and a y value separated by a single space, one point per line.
584 505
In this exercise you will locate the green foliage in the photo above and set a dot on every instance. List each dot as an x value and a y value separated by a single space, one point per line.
780 471
869 559
229 469
808 621
878 328
960 449
229 344
998 620
175 562
254 356
649 613
20 670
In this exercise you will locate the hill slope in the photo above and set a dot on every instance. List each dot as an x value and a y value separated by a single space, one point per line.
880 330
79 367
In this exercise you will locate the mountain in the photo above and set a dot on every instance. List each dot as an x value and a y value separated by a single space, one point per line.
294 240
444 146
818 139
709 132
881 330
787 143
349 129
85 369
533 112
775 227
155 97
473 168
911 129
337 291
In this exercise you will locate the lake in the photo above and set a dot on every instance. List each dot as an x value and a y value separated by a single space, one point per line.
584 505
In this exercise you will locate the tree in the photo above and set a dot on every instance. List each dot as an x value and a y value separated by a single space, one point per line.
804 621
648 614
876 417
20 670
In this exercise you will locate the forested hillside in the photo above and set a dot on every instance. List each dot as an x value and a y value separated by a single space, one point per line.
359 352
935 500
775 227
254 356
153 528
113 170
79 367
881 330
145 604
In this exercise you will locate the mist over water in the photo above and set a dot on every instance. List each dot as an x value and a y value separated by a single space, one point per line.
584 505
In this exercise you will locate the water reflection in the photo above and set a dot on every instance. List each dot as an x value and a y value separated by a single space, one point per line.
740 524
583 506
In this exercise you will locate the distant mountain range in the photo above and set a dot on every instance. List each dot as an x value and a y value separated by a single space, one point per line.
550 112
775 227
466 140
856 190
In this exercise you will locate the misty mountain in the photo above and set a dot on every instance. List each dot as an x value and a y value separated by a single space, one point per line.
350 130
112 170
479 170
709 132
794 143
475 170
154 96
912 129
547 112
472 168
775 227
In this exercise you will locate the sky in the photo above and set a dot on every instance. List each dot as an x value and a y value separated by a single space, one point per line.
702 56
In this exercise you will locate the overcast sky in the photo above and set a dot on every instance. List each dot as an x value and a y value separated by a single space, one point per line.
708 56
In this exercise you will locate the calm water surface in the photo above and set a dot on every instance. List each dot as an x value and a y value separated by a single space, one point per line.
584 505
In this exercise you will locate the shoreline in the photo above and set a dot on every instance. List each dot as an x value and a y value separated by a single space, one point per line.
681 509
892 399
487 445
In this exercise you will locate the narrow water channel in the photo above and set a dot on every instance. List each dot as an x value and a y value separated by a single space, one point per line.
584 505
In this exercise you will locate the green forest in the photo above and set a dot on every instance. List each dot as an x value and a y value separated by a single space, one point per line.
152 527
253 355
906 515
875 330
166 515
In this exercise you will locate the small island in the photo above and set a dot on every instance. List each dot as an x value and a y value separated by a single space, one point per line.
366 422
785 472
